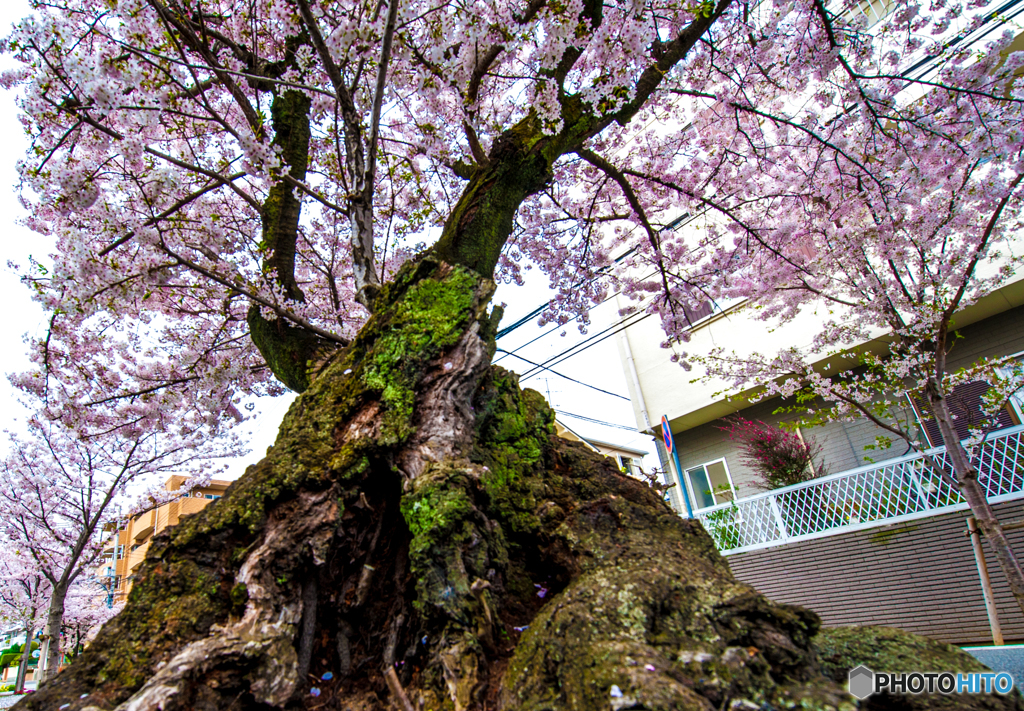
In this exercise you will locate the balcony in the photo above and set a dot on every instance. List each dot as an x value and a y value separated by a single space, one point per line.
142 526
136 556
896 490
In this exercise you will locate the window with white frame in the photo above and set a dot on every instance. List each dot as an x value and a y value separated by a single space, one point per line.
710 484
627 464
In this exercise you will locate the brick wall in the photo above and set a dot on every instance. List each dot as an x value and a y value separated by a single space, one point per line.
920 576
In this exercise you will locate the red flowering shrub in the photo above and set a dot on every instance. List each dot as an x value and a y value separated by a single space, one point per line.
779 458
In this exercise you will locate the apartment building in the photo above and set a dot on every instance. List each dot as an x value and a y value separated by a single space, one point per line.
126 548
878 539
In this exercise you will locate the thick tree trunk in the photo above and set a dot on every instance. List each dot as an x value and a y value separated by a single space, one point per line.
418 538
26 655
49 650
967 478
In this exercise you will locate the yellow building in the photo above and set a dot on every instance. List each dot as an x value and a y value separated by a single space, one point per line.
126 548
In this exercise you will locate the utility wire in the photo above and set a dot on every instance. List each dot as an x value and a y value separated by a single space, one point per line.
546 305
562 375
523 321
686 216
549 331
598 422
997 14
572 350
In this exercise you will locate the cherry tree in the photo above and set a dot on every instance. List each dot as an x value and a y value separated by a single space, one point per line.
884 204
23 592
319 196
60 491
86 608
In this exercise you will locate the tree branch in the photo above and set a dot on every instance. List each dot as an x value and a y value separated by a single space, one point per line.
378 100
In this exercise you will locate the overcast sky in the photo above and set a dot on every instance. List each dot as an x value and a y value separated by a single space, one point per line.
598 366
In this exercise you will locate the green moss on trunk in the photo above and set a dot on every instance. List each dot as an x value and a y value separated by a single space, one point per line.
884 649
287 349
290 114
515 571
482 220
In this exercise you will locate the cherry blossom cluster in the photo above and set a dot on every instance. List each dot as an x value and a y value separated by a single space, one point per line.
792 156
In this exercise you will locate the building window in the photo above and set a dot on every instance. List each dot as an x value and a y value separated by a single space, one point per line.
698 313
966 407
710 484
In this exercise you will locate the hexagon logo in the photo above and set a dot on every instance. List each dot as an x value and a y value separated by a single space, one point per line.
862 682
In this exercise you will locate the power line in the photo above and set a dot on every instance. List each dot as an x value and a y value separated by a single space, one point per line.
545 306
549 331
684 218
524 320
597 422
562 375
571 351
997 14
537 367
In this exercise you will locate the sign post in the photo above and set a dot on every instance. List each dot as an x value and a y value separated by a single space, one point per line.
666 433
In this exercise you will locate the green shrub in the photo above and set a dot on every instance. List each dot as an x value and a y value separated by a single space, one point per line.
722 526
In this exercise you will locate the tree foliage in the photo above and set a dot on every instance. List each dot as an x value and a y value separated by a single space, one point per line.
232 186
61 490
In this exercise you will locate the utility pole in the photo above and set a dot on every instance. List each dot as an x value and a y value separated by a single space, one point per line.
547 386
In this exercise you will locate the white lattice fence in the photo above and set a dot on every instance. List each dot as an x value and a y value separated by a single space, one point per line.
887 492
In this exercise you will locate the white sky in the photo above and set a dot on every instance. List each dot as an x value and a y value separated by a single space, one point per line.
599 365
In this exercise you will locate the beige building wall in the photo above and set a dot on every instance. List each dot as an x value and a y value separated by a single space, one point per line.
992 327
623 456
126 548
689 401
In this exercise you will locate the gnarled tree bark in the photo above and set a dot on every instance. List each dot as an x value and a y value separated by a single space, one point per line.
419 538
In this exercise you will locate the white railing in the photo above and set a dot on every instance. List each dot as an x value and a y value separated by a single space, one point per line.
878 494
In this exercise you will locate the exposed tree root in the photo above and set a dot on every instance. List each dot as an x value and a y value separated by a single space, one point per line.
419 539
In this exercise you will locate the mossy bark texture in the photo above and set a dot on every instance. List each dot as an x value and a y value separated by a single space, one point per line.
883 649
418 538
